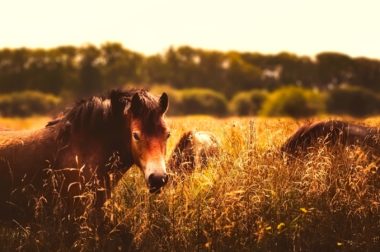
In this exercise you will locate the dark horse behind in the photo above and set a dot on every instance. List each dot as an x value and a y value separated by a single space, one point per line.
333 133
79 145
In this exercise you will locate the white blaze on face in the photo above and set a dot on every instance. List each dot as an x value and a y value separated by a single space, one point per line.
154 162
156 166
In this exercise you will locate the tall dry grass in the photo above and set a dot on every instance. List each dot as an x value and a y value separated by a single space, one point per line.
250 198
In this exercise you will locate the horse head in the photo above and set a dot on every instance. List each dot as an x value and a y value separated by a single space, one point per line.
145 134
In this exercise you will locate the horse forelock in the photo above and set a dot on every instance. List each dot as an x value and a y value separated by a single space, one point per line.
149 113
149 106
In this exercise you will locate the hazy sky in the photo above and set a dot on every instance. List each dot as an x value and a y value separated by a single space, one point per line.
304 27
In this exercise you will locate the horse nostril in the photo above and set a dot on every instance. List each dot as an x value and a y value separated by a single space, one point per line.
156 181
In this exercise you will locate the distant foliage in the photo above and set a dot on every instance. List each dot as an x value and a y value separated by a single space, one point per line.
175 97
352 100
27 103
287 101
92 69
203 101
294 102
248 103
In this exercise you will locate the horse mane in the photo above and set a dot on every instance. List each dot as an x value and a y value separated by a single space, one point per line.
95 114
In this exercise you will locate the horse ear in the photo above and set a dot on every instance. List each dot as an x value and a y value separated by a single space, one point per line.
117 102
136 104
164 103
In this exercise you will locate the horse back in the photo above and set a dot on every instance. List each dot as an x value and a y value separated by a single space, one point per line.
331 132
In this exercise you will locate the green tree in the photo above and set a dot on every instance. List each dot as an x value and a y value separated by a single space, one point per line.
119 65
89 74
240 75
352 100
367 73
334 68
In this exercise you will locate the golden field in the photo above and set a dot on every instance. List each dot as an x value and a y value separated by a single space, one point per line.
250 198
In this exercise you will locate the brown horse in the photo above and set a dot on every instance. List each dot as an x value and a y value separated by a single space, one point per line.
193 150
333 132
79 145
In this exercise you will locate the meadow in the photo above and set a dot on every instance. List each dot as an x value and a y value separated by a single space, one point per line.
250 198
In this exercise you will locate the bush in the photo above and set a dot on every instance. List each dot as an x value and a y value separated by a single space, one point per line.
203 101
27 103
248 103
293 101
351 100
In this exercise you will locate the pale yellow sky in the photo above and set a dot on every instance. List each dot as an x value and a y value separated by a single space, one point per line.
305 27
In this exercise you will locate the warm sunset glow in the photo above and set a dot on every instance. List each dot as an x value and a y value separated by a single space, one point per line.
299 26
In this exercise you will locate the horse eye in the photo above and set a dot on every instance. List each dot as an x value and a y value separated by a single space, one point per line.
168 135
136 136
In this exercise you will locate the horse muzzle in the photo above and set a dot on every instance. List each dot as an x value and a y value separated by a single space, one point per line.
156 181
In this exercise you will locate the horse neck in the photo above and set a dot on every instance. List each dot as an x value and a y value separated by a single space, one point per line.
123 142
113 138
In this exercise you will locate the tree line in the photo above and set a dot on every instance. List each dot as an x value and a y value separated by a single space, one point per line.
89 69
